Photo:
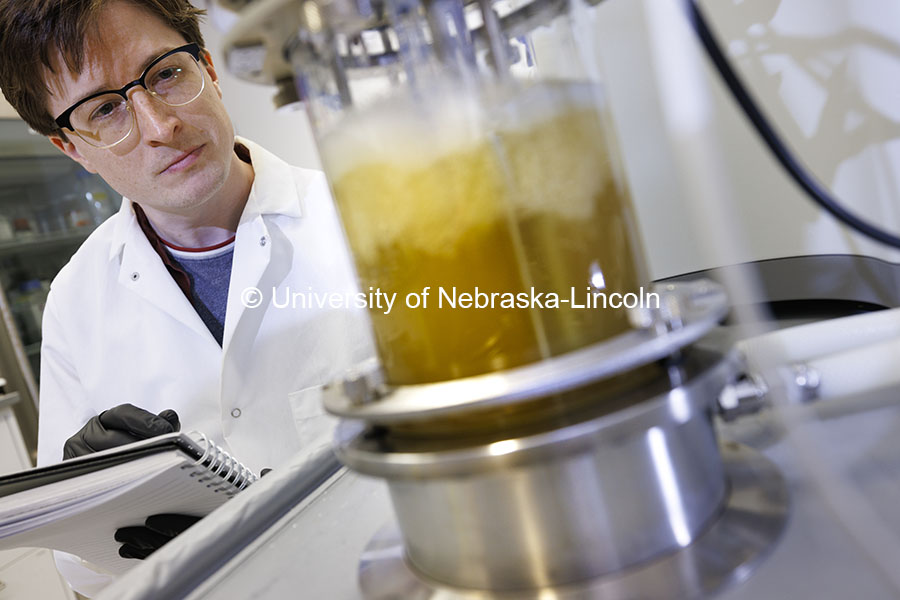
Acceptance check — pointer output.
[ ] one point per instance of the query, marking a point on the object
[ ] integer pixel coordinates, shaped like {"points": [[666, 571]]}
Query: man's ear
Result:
{"points": [[68, 148], [211, 69]]}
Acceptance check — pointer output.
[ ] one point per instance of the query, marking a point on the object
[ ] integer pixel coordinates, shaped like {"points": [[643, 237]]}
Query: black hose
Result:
{"points": [[798, 173]]}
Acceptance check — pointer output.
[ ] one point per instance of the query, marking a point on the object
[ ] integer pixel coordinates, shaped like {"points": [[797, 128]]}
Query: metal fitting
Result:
{"points": [[362, 384], [676, 302], [746, 396], [806, 382], [663, 318]]}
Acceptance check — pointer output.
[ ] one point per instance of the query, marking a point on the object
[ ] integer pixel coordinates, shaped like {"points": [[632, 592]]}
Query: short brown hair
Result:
{"points": [[33, 31]]}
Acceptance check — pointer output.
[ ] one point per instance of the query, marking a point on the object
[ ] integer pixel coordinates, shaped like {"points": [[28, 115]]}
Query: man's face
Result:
{"points": [[177, 157]]}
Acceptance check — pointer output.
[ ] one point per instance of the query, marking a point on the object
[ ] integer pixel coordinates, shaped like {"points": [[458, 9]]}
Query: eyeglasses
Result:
{"points": [[106, 118]]}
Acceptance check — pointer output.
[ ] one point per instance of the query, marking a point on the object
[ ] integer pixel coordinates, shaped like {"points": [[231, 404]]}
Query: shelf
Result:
{"points": [[18, 140], [40, 242], [26, 168]]}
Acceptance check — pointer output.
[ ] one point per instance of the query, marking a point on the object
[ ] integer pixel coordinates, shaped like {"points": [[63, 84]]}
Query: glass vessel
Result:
{"points": [[478, 183]]}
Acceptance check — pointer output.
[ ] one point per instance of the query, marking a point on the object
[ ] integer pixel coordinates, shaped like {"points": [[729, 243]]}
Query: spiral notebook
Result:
{"points": [[77, 505]]}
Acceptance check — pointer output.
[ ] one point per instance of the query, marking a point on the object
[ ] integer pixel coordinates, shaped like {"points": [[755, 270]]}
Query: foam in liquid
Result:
{"points": [[450, 194]]}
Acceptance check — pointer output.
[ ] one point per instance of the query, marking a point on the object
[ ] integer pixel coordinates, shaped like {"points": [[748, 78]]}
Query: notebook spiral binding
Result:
{"points": [[220, 468]]}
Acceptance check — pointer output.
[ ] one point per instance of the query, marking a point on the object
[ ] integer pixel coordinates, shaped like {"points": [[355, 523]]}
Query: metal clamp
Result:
{"points": [[686, 312]]}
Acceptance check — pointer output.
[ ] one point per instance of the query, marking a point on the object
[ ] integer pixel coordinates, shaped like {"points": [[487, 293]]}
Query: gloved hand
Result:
{"points": [[117, 426], [141, 542]]}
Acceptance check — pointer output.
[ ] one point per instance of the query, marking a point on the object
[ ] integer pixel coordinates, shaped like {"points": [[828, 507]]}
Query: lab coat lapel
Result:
{"points": [[143, 272], [247, 298], [262, 254]]}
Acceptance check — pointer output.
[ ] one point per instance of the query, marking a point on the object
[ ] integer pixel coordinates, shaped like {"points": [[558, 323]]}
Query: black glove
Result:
{"points": [[117, 426], [141, 542]]}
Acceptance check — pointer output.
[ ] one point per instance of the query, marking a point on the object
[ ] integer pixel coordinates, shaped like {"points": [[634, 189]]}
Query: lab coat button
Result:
{"points": [[236, 413], [262, 241], [135, 276]]}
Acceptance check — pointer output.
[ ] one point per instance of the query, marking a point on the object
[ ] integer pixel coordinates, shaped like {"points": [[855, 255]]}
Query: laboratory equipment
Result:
{"points": [[535, 431], [629, 486]]}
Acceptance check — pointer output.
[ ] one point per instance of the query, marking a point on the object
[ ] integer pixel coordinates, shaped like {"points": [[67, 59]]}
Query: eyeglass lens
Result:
{"points": [[107, 120]]}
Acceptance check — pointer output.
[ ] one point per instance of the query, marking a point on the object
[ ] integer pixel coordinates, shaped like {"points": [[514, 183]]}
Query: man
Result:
{"points": [[168, 305]]}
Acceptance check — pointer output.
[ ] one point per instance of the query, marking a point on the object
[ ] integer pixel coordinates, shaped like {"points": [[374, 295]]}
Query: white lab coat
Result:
{"points": [[117, 329]]}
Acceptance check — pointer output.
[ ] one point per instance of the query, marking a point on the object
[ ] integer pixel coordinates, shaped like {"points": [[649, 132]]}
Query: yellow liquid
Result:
{"points": [[503, 209]]}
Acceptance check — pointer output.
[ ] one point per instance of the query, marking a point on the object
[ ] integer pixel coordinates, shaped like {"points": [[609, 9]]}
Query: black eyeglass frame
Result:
{"points": [[63, 120]]}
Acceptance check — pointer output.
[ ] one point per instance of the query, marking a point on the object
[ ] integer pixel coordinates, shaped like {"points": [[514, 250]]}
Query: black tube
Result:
{"points": [[798, 173]]}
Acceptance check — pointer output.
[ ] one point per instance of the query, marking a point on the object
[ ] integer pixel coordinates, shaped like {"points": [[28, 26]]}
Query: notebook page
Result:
{"points": [[87, 529], [58, 498], [34, 508]]}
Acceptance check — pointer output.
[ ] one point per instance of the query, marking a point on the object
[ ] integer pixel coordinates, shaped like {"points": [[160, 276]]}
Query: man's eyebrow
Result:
{"points": [[143, 67]]}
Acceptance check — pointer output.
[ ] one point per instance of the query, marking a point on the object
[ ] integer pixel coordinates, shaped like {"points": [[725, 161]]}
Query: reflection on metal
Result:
{"points": [[270, 26], [566, 504], [752, 519], [652, 405], [861, 282], [746, 396], [668, 485], [807, 381]]}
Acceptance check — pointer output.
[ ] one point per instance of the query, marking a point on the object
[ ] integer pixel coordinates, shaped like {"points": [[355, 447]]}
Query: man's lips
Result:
{"points": [[183, 161]]}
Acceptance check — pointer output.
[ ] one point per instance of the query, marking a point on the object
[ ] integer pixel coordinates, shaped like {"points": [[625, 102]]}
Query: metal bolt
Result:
{"points": [[667, 317], [807, 381], [746, 396], [364, 383], [236, 412], [670, 311], [357, 389]]}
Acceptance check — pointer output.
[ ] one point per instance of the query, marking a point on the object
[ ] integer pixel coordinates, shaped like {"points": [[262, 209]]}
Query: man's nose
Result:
{"points": [[157, 121]]}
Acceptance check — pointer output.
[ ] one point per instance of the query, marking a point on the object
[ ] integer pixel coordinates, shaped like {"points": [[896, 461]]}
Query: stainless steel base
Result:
{"points": [[562, 504], [751, 521]]}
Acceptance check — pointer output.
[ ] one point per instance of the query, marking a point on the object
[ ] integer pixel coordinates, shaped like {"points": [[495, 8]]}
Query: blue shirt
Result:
{"points": [[209, 273]]}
